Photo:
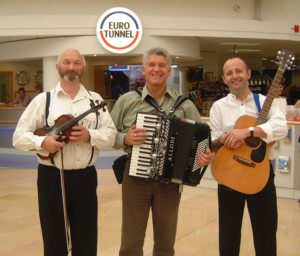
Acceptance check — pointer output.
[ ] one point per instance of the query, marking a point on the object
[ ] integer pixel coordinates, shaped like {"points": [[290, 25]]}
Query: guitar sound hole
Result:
{"points": [[253, 142]]}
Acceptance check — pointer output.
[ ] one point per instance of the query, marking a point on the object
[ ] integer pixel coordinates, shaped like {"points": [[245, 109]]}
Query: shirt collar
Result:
{"points": [[168, 91], [232, 96], [82, 93]]}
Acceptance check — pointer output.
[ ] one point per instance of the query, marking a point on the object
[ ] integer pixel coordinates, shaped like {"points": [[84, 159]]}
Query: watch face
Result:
{"points": [[22, 78], [38, 77]]}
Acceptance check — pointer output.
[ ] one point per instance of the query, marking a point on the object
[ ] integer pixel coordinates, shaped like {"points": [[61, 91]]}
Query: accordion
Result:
{"points": [[169, 154]]}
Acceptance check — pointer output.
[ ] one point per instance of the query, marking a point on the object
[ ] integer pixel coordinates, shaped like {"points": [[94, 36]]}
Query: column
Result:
{"points": [[183, 81], [50, 75]]}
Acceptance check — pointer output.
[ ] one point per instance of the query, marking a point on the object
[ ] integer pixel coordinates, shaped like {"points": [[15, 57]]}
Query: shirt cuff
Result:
{"points": [[267, 129], [120, 140], [38, 141]]}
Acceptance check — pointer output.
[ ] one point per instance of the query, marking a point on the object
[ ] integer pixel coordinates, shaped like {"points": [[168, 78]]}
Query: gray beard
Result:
{"points": [[71, 78]]}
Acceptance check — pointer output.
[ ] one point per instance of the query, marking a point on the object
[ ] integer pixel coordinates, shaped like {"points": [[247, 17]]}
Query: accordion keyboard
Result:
{"points": [[141, 155]]}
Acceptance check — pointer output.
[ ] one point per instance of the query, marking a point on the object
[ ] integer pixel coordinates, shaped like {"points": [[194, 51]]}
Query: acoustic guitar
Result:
{"points": [[247, 168]]}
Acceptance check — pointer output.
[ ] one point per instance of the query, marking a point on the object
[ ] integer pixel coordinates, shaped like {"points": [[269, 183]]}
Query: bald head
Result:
{"points": [[233, 58], [70, 51], [71, 65]]}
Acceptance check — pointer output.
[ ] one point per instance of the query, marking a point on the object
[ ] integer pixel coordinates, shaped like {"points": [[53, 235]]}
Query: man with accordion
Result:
{"points": [[140, 194]]}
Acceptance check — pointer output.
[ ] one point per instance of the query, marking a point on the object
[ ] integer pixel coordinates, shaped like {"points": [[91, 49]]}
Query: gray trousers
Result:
{"points": [[139, 196]]}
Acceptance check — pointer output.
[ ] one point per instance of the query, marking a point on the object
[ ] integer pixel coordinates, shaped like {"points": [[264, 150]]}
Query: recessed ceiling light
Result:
{"points": [[174, 66], [177, 57], [95, 55], [246, 50], [264, 58], [232, 43]]}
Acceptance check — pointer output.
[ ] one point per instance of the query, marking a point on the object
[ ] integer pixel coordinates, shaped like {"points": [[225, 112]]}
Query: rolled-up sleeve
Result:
{"points": [[276, 126]]}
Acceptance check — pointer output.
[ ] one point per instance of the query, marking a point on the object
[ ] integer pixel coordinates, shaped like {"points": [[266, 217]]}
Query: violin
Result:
{"points": [[63, 126]]}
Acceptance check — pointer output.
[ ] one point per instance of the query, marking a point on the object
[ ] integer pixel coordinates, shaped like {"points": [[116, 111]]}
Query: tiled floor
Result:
{"points": [[197, 233]]}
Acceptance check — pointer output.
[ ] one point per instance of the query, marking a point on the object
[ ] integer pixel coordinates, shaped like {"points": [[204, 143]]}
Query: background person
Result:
{"points": [[38, 88], [262, 206], [22, 100], [141, 195], [79, 156], [116, 89]]}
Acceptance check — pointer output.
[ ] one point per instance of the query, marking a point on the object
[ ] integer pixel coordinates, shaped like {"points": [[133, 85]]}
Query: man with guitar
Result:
{"points": [[78, 151], [262, 206]]}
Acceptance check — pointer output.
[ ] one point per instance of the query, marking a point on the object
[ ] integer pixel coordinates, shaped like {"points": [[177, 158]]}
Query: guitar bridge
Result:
{"points": [[244, 161]]}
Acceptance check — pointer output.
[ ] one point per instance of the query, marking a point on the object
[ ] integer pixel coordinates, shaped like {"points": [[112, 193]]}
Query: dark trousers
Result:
{"points": [[82, 209], [262, 209], [139, 196]]}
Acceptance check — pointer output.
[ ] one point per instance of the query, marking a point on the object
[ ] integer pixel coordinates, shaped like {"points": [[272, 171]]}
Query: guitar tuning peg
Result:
{"points": [[97, 101]]}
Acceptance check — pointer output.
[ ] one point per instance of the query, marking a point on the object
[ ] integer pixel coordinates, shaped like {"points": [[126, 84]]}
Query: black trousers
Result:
{"points": [[262, 209], [82, 209]]}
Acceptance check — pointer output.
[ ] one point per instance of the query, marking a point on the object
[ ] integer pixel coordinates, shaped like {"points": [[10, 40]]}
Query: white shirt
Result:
{"points": [[75, 155], [225, 112], [281, 104]]}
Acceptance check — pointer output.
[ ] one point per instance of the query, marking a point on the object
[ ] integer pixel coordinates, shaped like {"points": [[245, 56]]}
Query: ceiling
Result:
{"points": [[209, 46]]}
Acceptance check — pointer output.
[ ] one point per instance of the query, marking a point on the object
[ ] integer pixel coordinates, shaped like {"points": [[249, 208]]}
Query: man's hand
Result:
{"points": [[51, 144], [135, 136], [79, 134], [235, 138], [205, 158]]}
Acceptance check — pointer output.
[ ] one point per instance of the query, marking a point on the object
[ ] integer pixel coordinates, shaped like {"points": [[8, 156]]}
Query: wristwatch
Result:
{"points": [[251, 129]]}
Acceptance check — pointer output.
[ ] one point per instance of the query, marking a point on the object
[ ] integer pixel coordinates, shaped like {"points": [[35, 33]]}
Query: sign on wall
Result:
{"points": [[119, 30]]}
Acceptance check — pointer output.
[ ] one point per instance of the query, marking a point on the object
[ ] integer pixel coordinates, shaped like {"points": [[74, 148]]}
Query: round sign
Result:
{"points": [[119, 30]]}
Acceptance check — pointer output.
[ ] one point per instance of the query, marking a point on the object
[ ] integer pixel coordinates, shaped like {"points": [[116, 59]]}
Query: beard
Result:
{"points": [[70, 75]]}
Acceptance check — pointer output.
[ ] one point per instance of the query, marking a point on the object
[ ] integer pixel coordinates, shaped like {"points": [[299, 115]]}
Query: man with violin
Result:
{"points": [[69, 146]]}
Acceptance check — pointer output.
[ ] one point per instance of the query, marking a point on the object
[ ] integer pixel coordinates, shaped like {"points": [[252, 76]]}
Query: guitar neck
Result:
{"points": [[262, 118]]}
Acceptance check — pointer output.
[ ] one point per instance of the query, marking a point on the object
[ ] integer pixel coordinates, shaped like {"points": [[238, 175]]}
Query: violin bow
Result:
{"points": [[62, 181]]}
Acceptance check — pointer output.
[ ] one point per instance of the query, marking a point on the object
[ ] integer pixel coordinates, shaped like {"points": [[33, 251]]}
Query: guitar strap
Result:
{"points": [[256, 99]]}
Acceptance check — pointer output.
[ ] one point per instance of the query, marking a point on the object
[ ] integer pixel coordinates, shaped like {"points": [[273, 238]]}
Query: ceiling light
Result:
{"points": [[272, 60], [247, 50], [264, 58], [232, 43], [174, 66], [177, 57], [95, 55]]}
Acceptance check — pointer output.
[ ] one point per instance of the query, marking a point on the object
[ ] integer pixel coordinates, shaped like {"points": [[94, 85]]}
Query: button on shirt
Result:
{"points": [[75, 155], [225, 112], [127, 106]]}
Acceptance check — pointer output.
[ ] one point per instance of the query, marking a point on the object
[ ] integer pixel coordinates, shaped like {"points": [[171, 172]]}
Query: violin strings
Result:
{"points": [[70, 123]]}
